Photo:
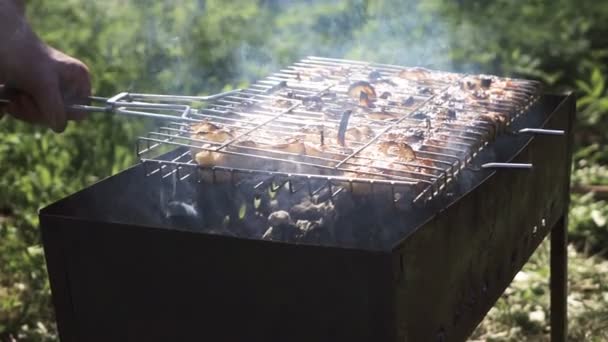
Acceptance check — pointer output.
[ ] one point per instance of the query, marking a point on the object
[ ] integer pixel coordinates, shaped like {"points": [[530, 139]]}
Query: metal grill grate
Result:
{"points": [[286, 127]]}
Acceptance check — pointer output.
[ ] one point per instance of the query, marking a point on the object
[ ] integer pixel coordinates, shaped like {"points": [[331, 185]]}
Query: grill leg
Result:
{"points": [[559, 280]]}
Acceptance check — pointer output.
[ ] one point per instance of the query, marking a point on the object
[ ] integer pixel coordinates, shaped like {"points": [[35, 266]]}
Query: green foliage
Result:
{"points": [[199, 47], [523, 312], [589, 224]]}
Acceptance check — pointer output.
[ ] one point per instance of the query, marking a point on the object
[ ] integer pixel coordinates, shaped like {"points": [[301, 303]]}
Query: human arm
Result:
{"points": [[42, 80]]}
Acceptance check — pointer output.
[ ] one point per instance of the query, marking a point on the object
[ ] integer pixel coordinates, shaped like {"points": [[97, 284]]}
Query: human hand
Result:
{"points": [[41, 88]]}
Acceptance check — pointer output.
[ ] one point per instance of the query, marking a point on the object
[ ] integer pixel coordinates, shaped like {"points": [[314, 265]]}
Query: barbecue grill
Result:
{"points": [[336, 200]]}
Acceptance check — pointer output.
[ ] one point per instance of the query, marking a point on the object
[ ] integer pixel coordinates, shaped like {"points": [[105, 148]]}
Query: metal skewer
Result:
{"points": [[524, 166], [542, 131]]}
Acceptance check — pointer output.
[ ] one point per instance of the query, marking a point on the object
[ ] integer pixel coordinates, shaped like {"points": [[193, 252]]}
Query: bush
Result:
{"points": [[198, 47]]}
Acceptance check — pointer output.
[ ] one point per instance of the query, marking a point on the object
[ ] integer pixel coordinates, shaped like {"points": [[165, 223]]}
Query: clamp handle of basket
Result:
{"points": [[168, 107], [6, 93]]}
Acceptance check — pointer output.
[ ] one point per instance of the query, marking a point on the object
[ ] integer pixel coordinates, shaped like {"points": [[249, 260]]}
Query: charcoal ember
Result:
{"points": [[181, 209], [282, 233], [278, 218], [314, 231], [307, 210], [282, 228], [273, 205], [254, 225]]}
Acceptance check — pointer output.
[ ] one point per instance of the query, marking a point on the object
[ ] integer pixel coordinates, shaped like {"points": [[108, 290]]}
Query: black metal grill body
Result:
{"points": [[121, 271]]}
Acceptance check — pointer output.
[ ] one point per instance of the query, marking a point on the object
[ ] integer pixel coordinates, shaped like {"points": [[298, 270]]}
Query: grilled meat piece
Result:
{"points": [[381, 115], [295, 146], [401, 150], [204, 126], [208, 131], [359, 87], [416, 73], [365, 101]]}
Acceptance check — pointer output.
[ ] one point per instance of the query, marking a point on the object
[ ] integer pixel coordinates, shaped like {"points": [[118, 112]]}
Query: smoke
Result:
{"points": [[199, 47], [195, 47], [395, 32]]}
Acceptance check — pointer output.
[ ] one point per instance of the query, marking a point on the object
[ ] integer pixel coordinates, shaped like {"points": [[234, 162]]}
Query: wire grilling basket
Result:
{"points": [[329, 125]]}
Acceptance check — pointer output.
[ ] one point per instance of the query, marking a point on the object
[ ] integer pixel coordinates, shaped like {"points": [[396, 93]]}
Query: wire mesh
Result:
{"points": [[408, 128]]}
